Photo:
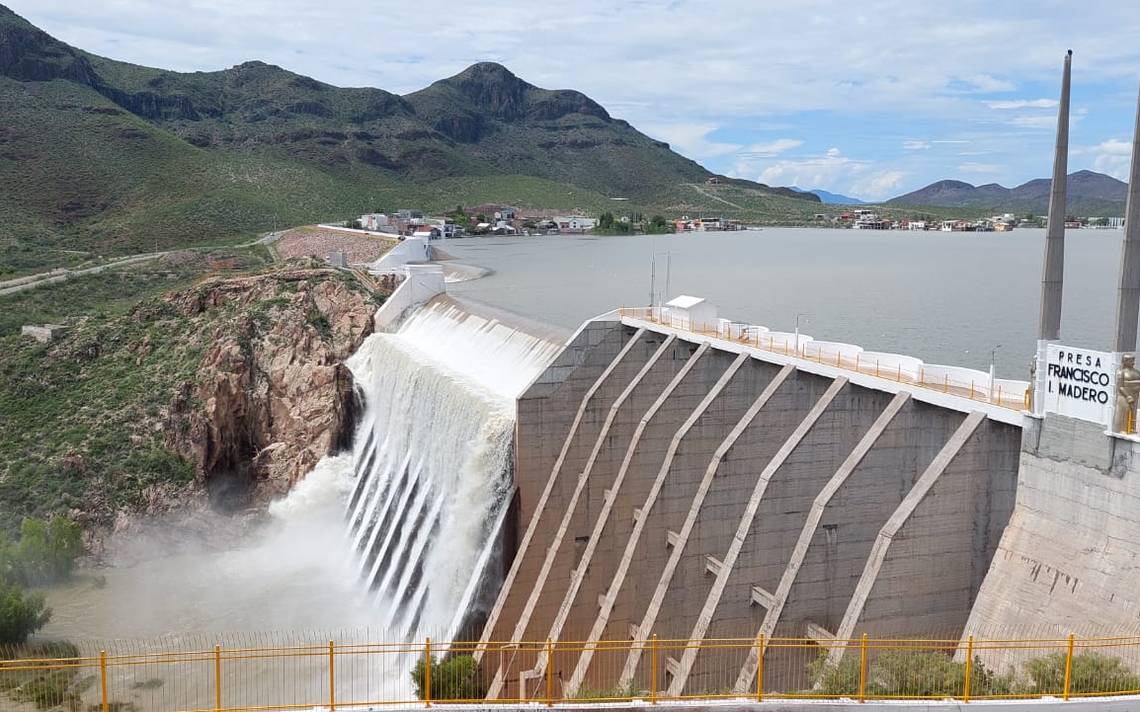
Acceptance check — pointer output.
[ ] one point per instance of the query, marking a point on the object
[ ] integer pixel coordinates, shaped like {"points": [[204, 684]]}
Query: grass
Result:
{"points": [[83, 420]]}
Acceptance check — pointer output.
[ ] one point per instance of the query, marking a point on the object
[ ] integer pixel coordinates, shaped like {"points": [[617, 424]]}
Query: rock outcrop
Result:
{"points": [[271, 395]]}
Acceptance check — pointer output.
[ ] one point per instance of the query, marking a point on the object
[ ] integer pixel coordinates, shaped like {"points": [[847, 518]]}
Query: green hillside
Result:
{"points": [[104, 156]]}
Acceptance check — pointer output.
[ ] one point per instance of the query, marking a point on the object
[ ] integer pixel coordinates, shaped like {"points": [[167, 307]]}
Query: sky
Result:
{"points": [[869, 99]]}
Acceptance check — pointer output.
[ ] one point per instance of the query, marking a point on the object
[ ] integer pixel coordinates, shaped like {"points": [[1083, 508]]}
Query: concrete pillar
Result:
{"points": [[678, 550], [523, 619], [807, 534], [535, 520], [1128, 296], [901, 516], [704, 620], [608, 503], [607, 601], [1054, 266]]}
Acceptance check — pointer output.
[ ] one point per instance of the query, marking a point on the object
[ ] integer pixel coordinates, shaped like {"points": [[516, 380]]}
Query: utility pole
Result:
{"points": [[668, 271], [993, 369], [652, 280]]}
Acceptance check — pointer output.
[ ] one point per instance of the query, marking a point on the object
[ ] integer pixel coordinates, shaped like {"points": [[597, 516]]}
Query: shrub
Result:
{"points": [[45, 553], [21, 613], [901, 673], [456, 678], [1092, 672]]}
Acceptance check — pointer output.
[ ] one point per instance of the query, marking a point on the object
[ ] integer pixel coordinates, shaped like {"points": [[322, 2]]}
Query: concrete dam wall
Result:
{"points": [[684, 486]]}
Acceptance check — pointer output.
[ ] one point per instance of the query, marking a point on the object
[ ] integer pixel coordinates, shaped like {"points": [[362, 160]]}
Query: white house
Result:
{"points": [[575, 223], [374, 221], [692, 313]]}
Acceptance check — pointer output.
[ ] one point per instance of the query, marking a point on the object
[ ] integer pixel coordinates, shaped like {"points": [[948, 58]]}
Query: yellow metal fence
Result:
{"points": [[332, 675], [871, 366]]}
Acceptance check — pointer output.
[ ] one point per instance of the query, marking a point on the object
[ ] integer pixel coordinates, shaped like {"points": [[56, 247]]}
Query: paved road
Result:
{"points": [[31, 281]]}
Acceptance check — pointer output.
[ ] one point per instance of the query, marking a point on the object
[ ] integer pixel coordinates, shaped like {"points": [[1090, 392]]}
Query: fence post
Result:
{"points": [[217, 677], [863, 669], [549, 673], [876, 368], [332, 677], [969, 668], [103, 679], [1068, 667], [653, 671], [971, 390], [427, 672], [760, 668]]}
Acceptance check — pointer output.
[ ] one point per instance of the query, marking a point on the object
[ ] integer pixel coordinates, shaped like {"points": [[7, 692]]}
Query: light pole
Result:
{"points": [[993, 369], [798, 332]]}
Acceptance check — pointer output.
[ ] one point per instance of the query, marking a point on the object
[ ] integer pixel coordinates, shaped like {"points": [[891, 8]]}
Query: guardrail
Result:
{"points": [[346, 675], [923, 376]]}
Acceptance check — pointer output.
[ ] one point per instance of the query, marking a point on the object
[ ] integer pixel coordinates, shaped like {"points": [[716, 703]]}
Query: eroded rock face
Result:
{"points": [[271, 395]]}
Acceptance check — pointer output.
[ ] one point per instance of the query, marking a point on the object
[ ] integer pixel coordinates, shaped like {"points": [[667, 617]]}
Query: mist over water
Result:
{"points": [[291, 572], [392, 537]]}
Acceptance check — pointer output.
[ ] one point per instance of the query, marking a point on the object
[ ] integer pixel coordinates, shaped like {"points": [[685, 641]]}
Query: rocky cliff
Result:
{"points": [[271, 395], [224, 392]]}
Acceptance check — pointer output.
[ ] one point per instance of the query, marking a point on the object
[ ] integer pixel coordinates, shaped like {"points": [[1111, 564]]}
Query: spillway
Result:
{"points": [[432, 461]]}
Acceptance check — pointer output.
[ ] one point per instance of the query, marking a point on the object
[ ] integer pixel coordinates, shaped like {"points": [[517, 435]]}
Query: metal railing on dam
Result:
{"points": [[893, 367], [347, 675]]}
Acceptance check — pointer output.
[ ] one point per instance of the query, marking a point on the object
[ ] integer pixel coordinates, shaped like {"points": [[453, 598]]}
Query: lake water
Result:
{"points": [[942, 297]]}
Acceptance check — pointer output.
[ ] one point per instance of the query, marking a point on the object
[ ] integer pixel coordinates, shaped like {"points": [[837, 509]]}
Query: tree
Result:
{"points": [[456, 678], [606, 221], [46, 552], [481, 218], [21, 613]]}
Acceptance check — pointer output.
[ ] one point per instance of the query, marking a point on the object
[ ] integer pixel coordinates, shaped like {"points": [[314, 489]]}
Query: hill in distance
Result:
{"points": [[1089, 193], [106, 155], [829, 198]]}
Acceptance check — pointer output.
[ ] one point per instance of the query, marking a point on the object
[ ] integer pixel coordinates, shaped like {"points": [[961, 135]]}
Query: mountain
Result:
{"points": [[1089, 193], [101, 154], [829, 198]]}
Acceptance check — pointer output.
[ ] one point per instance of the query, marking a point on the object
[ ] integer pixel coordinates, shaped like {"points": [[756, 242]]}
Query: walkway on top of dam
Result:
{"points": [[951, 387]]}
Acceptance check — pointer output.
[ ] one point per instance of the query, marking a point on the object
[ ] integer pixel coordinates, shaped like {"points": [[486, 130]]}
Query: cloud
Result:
{"points": [[988, 84], [915, 145], [1022, 104], [772, 148], [1036, 122], [1112, 157], [833, 170], [973, 167], [691, 139], [880, 184]]}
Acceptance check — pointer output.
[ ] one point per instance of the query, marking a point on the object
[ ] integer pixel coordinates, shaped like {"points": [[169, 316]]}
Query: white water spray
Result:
{"points": [[432, 460]]}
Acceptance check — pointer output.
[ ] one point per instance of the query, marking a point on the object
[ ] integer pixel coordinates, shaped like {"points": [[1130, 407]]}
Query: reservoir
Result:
{"points": [[942, 297]]}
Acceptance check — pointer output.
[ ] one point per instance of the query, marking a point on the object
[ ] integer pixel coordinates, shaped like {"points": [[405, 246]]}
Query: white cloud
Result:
{"points": [[880, 184], [691, 139], [1022, 104], [915, 145], [1112, 157], [986, 83], [835, 171], [1035, 122], [973, 167], [772, 148]]}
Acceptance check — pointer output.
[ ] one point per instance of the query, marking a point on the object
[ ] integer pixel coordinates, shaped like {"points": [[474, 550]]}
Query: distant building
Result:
{"points": [[1116, 223], [712, 180], [338, 258], [374, 221], [575, 223]]}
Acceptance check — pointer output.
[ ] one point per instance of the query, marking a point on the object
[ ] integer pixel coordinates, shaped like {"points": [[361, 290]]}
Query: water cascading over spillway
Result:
{"points": [[432, 460]]}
